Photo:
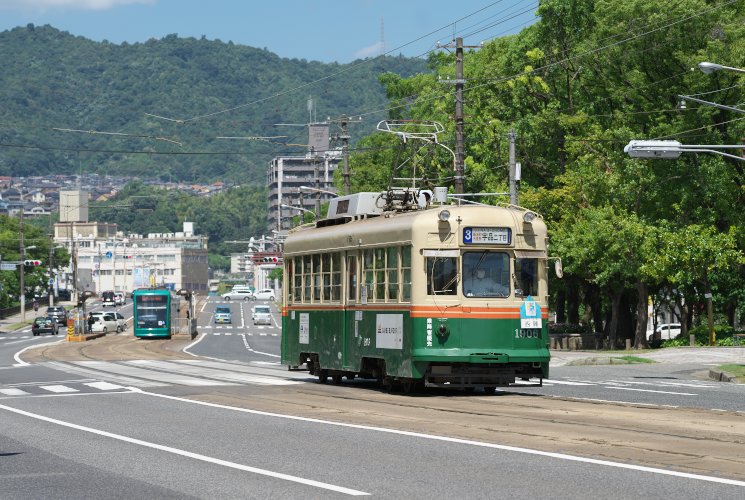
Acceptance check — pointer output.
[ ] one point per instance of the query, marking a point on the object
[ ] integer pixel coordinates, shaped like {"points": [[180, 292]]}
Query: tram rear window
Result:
{"points": [[442, 275]]}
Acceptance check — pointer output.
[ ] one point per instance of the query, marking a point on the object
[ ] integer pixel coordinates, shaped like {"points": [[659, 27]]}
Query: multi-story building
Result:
{"points": [[287, 175], [104, 259]]}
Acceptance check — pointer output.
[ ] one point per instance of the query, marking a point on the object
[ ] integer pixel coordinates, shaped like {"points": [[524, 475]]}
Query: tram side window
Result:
{"points": [[297, 283], [290, 280], [486, 274], [316, 277], [442, 275], [352, 278], [307, 279], [406, 274], [368, 270], [336, 277], [391, 269], [326, 277], [526, 277], [379, 295]]}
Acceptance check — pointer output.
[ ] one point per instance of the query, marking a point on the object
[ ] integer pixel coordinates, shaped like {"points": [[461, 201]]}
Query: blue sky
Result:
{"points": [[322, 30]]}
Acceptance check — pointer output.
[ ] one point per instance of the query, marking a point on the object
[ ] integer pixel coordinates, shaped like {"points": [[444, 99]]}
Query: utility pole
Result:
{"points": [[459, 149], [317, 185], [513, 168], [460, 155], [345, 152], [22, 277], [51, 272]]}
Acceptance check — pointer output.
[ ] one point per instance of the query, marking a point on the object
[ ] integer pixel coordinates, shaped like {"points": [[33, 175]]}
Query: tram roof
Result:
{"points": [[420, 228]]}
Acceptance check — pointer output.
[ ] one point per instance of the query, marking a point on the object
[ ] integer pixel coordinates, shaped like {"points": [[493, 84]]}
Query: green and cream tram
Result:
{"points": [[446, 296]]}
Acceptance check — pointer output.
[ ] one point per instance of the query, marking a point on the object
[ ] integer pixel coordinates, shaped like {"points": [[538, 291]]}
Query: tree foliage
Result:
{"points": [[576, 86]]}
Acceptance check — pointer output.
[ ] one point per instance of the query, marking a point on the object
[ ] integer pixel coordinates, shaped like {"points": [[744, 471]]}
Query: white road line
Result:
{"points": [[245, 342], [566, 382], [58, 388], [188, 454], [650, 390], [468, 442], [20, 362]]}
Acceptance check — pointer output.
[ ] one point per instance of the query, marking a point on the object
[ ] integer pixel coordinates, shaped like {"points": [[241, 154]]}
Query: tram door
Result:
{"points": [[351, 316]]}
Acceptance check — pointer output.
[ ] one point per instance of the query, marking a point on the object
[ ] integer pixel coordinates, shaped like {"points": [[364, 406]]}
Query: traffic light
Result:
{"points": [[32, 263], [270, 259]]}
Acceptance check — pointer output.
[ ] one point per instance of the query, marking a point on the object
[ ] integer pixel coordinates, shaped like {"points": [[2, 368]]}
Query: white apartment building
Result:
{"points": [[104, 259]]}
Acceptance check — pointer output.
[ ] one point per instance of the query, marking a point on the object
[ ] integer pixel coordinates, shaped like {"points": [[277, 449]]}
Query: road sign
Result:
{"points": [[8, 266], [109, 255]]}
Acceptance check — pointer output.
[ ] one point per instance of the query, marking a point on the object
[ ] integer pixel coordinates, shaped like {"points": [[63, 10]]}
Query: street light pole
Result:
{"points": [[710, 67], [22, 277]]}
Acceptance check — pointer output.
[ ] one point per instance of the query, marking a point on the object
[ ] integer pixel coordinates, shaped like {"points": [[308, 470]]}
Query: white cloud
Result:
{"points": [[46, 5], [372, 51]]}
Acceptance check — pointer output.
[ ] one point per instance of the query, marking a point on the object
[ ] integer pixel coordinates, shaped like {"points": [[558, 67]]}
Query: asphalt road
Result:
{"points": [[220, 417]]}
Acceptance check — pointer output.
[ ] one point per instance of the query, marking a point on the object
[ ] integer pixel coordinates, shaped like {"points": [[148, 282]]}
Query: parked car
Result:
{"points": [[108, 298], [64, 294], [119, 298], [223, 315], [45, 324], [261, 315], [264, 294], [242, 294], [105, 323], [121, 322], [666, 331], [58, 312]]}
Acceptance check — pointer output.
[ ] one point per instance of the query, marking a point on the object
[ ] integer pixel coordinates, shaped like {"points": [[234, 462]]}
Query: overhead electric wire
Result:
{"points": [[305, 85], [555, 63]]}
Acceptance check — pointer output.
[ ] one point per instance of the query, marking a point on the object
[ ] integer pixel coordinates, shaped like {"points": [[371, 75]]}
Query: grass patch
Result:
{"points": [[18, 326], [633, 359]]}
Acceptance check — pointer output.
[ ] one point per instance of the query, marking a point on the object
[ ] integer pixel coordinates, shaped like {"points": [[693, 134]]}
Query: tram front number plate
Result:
{"points": [[481, 235]]}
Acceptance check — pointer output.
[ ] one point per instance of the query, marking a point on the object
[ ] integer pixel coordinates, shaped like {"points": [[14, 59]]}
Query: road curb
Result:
{"points": [[722, 376], [85, 337]]}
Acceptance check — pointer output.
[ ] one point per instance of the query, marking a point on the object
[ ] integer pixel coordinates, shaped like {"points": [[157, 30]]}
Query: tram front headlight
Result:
{"points": [[528, 217], [444, 215]]}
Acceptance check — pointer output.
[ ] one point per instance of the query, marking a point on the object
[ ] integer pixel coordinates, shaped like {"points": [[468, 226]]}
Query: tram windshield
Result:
{"points": [[486, 274], [526, 277], [152, 311]]}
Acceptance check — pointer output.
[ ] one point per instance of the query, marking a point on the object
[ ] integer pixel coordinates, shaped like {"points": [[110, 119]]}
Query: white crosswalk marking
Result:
{"points": [[13, 392], [58, 388], [131, 370], [104, 386]]}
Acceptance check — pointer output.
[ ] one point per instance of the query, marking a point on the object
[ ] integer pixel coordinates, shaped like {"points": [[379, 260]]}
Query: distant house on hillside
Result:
{"points": [[11, 194]]}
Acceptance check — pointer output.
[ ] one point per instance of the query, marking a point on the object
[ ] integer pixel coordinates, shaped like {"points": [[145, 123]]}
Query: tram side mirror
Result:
{"points": [[558, 269]]}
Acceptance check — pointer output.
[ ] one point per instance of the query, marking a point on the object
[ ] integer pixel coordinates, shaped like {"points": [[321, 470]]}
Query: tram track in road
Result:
{"points": [[683, 439]]}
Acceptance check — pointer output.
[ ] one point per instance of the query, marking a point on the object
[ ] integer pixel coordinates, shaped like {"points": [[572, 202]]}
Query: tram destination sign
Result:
{"points": [[487, 236]]}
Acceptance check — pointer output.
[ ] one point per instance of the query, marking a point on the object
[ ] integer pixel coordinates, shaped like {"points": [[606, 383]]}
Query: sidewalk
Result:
{"points": [[15, 319]]}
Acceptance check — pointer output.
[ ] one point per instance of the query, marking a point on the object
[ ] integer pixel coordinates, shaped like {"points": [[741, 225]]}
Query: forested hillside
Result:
{"points": [[155, 108]]}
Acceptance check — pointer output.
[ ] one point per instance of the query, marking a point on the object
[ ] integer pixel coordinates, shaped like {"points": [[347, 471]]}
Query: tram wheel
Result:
{"points": [[323, 376], [336, 378], [410, 385], [489, 389]]}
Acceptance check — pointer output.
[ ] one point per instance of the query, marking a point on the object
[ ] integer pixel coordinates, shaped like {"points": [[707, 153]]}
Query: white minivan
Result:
{"points": [[666, 331]]}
